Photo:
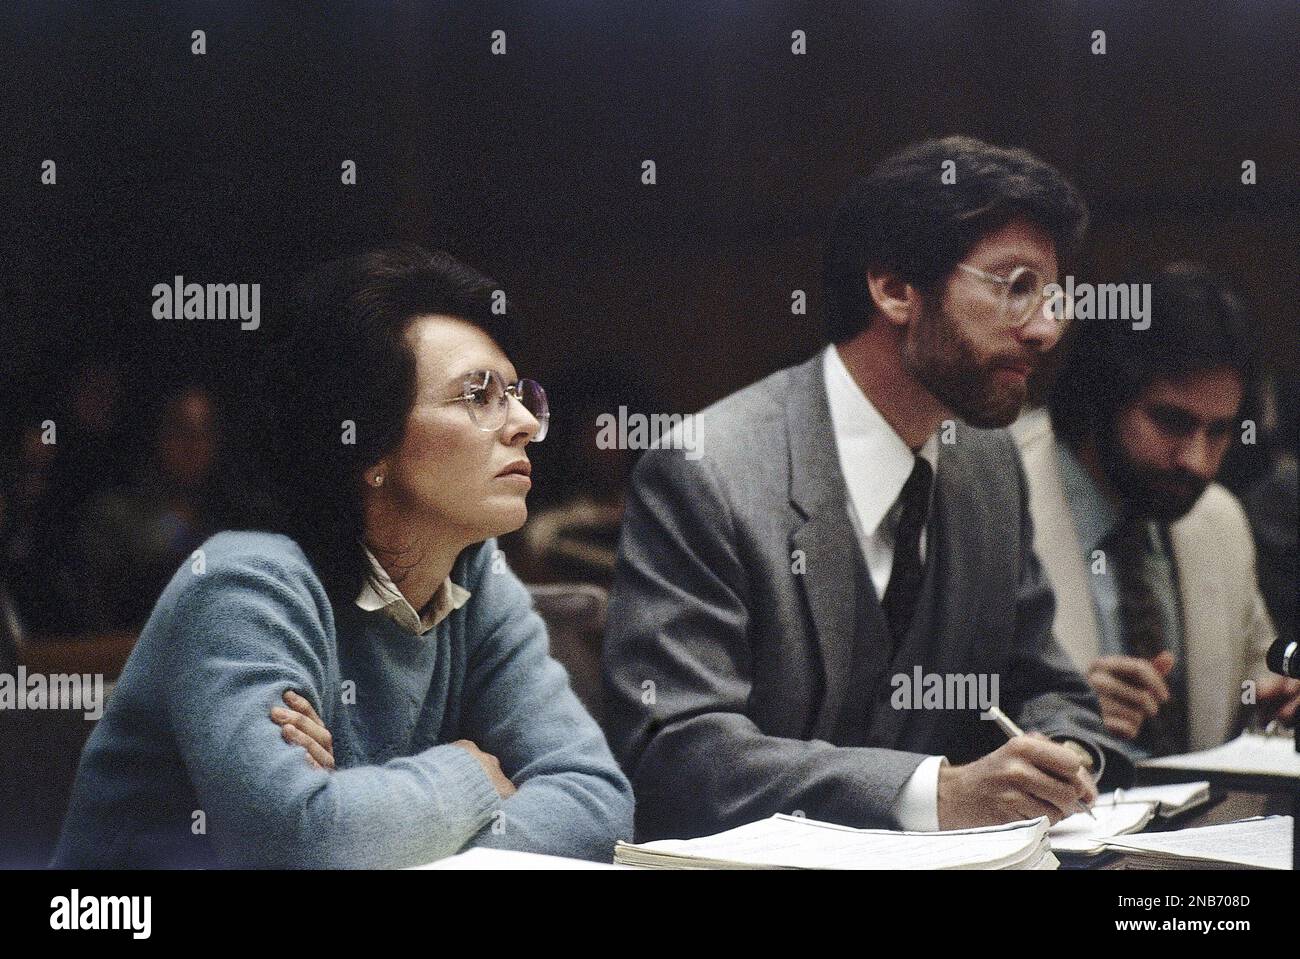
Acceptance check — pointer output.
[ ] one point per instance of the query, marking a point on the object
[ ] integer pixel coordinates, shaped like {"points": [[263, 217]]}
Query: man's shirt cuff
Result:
{"points": [[917, 807]]}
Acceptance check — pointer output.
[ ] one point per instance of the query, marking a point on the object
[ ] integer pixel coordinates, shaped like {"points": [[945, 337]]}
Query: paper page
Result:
{"points": [[1081, 833], [1263, 842], [794, 842], [481, 858], [1048, 861], [1174, 795], [1249, 753]]}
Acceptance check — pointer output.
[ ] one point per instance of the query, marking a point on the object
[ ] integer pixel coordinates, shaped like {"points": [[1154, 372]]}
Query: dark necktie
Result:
{"points": [[1142, 620], [905, 577]]}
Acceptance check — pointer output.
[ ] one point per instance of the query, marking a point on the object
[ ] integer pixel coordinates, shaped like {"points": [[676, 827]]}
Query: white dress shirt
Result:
{"points": [[876, 463], [380, 593]]}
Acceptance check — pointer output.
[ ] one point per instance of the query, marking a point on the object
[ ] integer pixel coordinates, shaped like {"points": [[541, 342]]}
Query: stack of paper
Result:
{"points": [[1250, 754], [1084, 835], [1172, 800], [793, 842], [1260, 843]]}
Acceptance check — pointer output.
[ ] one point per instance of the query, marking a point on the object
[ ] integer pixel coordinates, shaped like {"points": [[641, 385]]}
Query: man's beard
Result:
{"points": [[946, 363], [1161, 495]]}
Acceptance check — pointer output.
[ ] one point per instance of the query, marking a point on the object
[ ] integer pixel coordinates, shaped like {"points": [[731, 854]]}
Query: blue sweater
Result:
{"points": [[187, 768]]}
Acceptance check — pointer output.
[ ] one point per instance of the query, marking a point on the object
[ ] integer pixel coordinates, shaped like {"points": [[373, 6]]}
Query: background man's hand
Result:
{"points": [[1131, 690], [1278, 698]]}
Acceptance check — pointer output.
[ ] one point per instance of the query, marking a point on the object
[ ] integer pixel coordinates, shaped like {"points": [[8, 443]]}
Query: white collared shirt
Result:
{"points": [[876, 463], [380, 593]]}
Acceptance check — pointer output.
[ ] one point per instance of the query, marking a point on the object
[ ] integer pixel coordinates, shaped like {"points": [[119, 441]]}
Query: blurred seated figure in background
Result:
{"points": [[42, 572], [95, 451], [82, 552], [131, 540]]}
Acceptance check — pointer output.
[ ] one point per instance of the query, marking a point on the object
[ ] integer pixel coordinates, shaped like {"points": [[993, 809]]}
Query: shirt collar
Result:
{"points": [[873, 457], [1095, 516], [379, 592]]}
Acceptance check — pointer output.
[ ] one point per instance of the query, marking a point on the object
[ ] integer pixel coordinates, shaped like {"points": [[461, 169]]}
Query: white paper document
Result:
{"points": [[1249, 754], [1260, 843], [482, 858], [1170, 800]]}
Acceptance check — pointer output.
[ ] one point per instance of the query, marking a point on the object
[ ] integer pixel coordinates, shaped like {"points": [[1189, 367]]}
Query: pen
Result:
{"points": [[1012, 731]]}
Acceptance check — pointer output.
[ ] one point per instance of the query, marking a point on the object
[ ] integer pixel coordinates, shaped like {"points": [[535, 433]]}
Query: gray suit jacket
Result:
{"points": [[733, 619]]}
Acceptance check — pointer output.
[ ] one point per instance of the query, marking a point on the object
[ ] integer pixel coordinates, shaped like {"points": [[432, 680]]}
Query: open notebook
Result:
{"points": [[1170, 800], [793, 842], [1122, 813], [1084, 835]]}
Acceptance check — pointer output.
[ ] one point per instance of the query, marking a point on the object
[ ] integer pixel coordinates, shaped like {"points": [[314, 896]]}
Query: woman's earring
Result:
{"points": [[379, 479]]}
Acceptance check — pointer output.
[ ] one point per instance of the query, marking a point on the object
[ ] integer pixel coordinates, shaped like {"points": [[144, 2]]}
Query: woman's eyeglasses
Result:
{"points": [[487, 397]]}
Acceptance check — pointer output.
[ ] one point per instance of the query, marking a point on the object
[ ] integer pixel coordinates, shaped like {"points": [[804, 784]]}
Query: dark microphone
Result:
{"points": [[1284, 657]]}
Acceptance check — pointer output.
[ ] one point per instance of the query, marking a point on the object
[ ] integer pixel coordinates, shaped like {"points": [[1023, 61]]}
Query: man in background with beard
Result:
{"points": [[1152, 562], [836, 535]]}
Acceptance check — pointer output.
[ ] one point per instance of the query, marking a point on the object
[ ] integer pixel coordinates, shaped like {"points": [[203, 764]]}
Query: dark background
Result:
{"points": [[225, 167]]}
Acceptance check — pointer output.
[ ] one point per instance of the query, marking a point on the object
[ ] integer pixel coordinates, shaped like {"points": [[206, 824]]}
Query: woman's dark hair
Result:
{"points": [[347, 381], [905, 218], [1197, 323]]}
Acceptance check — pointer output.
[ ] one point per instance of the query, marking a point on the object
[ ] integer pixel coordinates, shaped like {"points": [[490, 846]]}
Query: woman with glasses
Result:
{"points": [[363, 682]]}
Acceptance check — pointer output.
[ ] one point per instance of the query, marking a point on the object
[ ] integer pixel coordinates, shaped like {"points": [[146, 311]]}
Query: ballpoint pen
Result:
{"points": [[1011, 730]]}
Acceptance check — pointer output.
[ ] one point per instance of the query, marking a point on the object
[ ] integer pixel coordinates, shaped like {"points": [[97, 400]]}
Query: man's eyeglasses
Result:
{"points": [[1023, 293], [487, 397]]}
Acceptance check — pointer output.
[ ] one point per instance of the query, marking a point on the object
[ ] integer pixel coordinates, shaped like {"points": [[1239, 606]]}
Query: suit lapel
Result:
{"points": [[824, 537], [1056, 541]]}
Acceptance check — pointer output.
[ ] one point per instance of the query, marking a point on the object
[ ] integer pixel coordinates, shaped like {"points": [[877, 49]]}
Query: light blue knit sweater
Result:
{"points": [[186, 768]]}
